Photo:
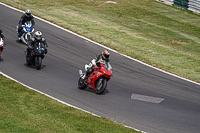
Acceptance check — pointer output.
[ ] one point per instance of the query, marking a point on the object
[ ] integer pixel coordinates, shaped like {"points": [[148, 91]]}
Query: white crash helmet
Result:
{"points": [[38, 35], [28, 12]]}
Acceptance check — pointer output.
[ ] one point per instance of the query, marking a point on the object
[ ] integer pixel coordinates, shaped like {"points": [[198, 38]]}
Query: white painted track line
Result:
{"points": [[146, 98]]}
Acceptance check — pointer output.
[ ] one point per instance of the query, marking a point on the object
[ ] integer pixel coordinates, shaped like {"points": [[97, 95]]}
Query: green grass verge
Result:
{"points": [[160, 35], [24, 110]]}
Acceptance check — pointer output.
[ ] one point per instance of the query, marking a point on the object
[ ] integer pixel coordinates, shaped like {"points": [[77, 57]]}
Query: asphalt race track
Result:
{"points": [[137, 95]]}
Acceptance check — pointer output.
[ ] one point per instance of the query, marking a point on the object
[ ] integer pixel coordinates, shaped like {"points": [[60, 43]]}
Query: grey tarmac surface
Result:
{"points": [[176, 102]]}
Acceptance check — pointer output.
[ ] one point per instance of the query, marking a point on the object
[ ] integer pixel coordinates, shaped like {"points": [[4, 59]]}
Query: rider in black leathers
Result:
{"points": [[24, 18], [37, 38]]}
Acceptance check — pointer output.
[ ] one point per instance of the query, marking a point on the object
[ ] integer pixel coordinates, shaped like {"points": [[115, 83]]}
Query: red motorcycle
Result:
{"points": [[97, 79], [1, 46]]}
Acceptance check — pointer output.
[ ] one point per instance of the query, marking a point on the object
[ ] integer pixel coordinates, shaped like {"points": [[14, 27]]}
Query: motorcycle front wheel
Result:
{"points": [[38, 62], [101, 85], [28, 38]]}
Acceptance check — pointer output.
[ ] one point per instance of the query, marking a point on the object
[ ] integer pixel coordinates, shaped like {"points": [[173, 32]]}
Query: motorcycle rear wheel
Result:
{"points": [[101, 85], [81, 84]]}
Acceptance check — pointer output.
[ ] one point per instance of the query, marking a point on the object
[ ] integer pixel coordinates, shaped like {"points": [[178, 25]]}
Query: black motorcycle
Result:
{"points": [[35, 55]]}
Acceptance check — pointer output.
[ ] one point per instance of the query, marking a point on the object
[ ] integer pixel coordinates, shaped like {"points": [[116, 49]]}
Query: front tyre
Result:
{"points": [[81, 84], [28, 38], [101, 85], [38, 62]]}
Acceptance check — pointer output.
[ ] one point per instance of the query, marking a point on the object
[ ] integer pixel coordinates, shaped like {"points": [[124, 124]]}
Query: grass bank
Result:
{"points": [[24, 110], [160, 35]]}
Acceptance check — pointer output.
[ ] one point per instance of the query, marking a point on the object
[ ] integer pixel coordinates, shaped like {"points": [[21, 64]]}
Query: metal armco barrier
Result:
{"points": [[194, 5], [191, 5]]}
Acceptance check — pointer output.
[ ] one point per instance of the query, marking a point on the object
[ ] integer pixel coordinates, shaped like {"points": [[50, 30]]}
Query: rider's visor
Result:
{"points": [[39, 37]]}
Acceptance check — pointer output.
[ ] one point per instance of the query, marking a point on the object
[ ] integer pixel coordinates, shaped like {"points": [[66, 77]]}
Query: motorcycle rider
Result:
{"points": [[37, 38], [24, 18], [1, 34], [101, 58]]}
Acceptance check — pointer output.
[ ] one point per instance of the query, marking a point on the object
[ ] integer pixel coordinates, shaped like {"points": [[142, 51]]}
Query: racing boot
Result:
{"points": [[82, 75]]}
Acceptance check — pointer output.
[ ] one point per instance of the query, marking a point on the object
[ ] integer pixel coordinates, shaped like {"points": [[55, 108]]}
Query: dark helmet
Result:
{"points": [[105, 55], [38, 35], [28, 12]]}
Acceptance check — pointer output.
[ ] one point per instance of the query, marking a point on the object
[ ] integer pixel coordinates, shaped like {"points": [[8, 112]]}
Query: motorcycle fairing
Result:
{"points": [[103, 71], [27, 28], [93, 77]]}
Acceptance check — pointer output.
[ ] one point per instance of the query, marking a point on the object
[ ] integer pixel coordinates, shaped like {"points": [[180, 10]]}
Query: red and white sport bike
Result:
{"points": [[97, 79], [1, 46]]}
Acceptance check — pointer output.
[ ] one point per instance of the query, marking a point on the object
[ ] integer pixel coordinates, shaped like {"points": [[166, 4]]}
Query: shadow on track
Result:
{"points": [[33, 67], [93, 91]]}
